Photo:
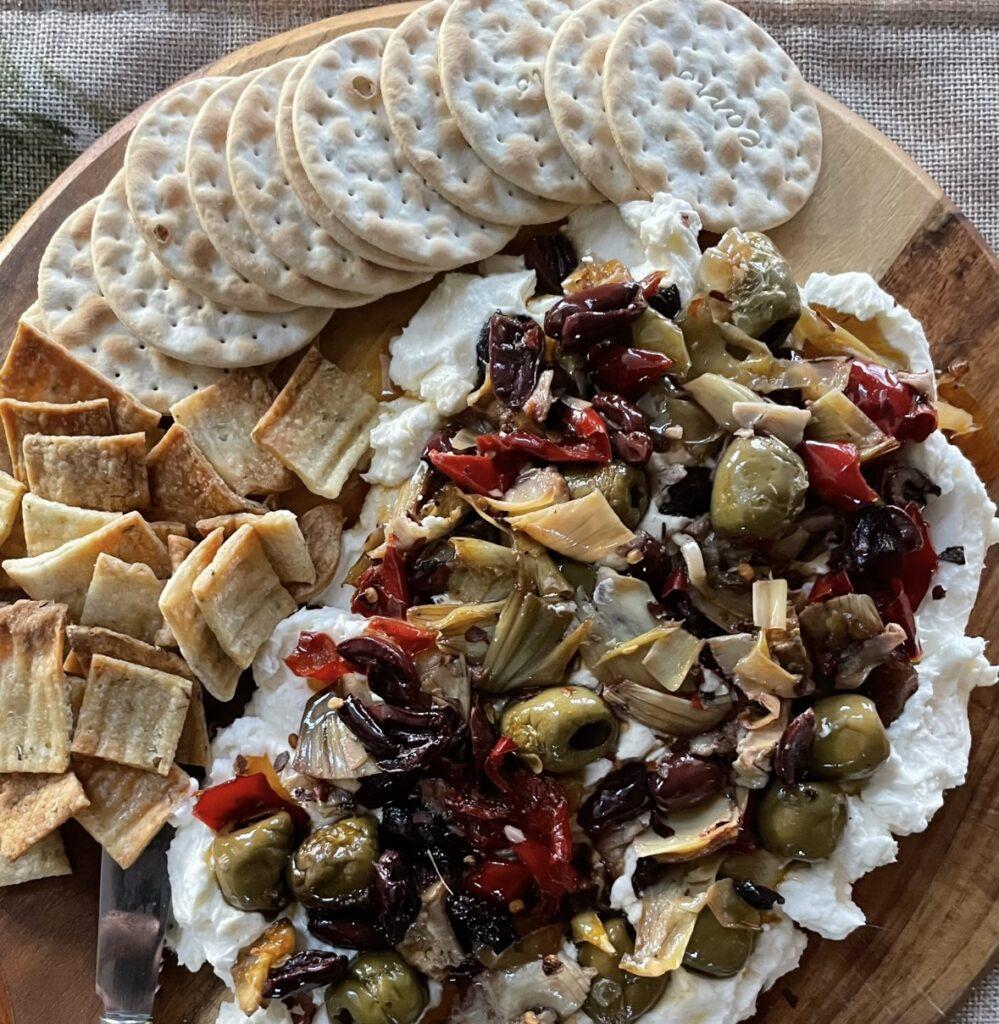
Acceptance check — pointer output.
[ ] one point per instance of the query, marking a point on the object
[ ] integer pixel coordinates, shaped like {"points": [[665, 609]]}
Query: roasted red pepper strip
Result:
{"points": [[383, 589], [895, 607], [493, 766], [897, 408], [834, 474], [404, 635], [315, 657], [832, 584], [490, 475], [918, 566], [240, 799], [501, 880], [626, 371], [585, 424]]}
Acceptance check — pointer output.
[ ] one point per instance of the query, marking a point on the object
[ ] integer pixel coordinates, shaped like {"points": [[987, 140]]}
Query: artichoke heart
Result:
{"points": [[836, 418], [717, 395], [586, 529], [664, 712], [696, 832], [655, 333], [662, 657], [816, 332], [481, 571]]}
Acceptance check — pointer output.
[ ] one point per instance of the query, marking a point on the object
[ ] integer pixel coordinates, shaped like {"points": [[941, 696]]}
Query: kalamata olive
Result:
{"points": [[515, 346], [619, 797], [715, 950], [396, 898], [632, 446], [618, 412], [665, 300], [380, 988], [347, 931], [901, 484], [690, 495], [552, 258], [250, 863], [626, 370], [617, 996], [480, 921], [334, 860], [890, 685], [596, 314], [390, 671], [304, 972], [803, 822], [850, 741], [625, 487], [794, 749], [758, 896], [682, 781], [879, 536]]}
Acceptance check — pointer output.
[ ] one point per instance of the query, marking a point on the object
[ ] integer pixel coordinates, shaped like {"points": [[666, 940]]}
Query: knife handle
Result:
{"points": [[125, 1018]]}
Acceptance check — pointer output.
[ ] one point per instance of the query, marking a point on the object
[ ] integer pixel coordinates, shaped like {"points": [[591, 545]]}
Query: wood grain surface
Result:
{"points": [[933, 917]]}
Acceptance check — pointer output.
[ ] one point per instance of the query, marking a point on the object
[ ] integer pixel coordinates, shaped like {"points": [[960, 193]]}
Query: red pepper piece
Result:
{"points": [[585, 424], [553, 876], [242, 798], [834, 474], [895, 607], [493, 766], [832, 584], [315, 657], [491, 475], [676, 580], [897, 408], [626, 371], [383, 588], [501, 880], [918, 566], [404, 635]]}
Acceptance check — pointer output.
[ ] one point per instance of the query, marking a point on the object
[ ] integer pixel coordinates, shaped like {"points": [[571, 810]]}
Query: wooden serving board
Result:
{"points": [[933, 917]]}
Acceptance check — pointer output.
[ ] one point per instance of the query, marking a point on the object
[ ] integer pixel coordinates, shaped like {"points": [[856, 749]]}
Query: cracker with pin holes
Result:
{"points": [[282, 538]]}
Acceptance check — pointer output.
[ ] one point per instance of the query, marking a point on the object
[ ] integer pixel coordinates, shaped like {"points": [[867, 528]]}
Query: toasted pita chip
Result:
{"points": [[281, 537], [46, 859], [64, 574], [220, 419], [86, 641], [32, 806], [184, 484], [216, 670], [125, 598], [241, 597], [11, 495], [322, 528], [194, 748], [23, 418], [178, 549], [319, 424], [105, 473], [131, 714], [38, 370], [127, 805], [50, 524], [76, 684], [71, 666], [35, 719], [166, 528], [13, 547]]}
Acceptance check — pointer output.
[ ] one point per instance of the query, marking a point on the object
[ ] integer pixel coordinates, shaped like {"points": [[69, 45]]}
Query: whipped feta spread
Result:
{"points": [[398, 439]]}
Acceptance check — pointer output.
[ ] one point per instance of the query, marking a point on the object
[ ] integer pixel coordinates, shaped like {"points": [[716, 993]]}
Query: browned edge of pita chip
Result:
{"points": [[23, 418], [32, 806], [50, 524], [220, 419], [281, 537], [35, 716], [38, 370], [46, 859], [217, 672], [322, 528], [127, 805], [183, 484], [124, 597]]}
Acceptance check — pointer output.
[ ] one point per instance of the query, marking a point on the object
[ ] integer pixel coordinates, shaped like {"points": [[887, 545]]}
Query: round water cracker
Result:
{"points": [[222, 218], [492, 57], [429, 137], [574, 88], [78, 317], [304, 189], [352, 159], [167, 314], [273, 208], [704, 104], [160, 201]]}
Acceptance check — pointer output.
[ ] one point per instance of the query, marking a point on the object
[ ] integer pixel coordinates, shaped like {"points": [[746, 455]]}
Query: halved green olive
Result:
{"points": [[250, 863], [616, 996], [335, 860], [850, 741], [716, 950], [625, 488], [564, 727], [380, 988], [803, 822], [759, 488], [699, 438]]}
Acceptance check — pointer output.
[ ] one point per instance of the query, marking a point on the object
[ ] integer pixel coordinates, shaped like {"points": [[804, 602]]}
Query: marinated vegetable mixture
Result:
{"points": [[635, 628]]}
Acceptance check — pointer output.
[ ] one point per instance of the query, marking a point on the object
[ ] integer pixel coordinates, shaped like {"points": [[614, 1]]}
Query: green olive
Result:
{"points": [[250, 863], [625, 488], [716, 950], [565, 727], [380, 988], [759, 488], [803, 822], [335, 860], [700, 436], [616, 996], [850, 741]]}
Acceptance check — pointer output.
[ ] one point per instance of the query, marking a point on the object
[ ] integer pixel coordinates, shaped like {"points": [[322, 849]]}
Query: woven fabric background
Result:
{"points": [[926, 72]]}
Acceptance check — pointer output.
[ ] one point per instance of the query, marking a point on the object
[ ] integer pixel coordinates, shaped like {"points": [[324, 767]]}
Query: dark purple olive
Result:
{"points": [[618, 412], [552, 258], [890, 685], [682, 781], [879, 537], [690, 495], [795, 748], [346, 931], [303, 972], [516, 345], [902, 484], [390, 671], [396, 898], [758, 896], [619, 797], [603, 313], [632, 447], [372, 736], [665, 300], [478, 921]]}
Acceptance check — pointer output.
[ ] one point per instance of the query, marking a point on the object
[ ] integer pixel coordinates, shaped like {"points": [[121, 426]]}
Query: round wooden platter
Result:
{"points": [[933, 917]]}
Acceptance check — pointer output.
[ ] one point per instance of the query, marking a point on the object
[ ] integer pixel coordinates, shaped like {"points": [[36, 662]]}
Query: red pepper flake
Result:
{"points": [[834, 474], [241, 799], [315, 657]]}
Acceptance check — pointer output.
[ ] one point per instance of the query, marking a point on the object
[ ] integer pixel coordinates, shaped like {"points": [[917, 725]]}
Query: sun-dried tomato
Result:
{"points": [[894, 605], [592, 444], [501, 880], [831, 584], [404, 635], [918, 566], [242, 799]]}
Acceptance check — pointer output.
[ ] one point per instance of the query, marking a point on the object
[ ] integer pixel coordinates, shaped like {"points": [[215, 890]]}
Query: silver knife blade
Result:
{"points": [[130, 930]]}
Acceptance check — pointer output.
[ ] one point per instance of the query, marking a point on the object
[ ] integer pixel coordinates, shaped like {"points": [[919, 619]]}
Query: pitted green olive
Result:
{"points": [[716, 950], [625, 488], [803, 822], [850, 741], [380, 988], [335, 860], [616, 996], [759, 488], [565, 727], [699, 434], [250, 863]]}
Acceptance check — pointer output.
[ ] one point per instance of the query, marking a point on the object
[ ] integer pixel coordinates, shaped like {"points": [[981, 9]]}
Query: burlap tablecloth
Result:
{"points": [[926, 73]]}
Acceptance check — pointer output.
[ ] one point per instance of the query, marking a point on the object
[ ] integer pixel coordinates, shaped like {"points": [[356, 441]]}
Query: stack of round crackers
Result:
{"points": [[249, 209]]}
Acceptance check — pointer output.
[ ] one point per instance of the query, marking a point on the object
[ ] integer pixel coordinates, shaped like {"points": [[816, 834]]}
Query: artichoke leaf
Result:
{"points": [[835, 418], [817, 332], [327, 749], [655, 333], [770, 604], [696, 833], [717, 395], [585, 529], [662, 712], [785, 422], [587, 927]]}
